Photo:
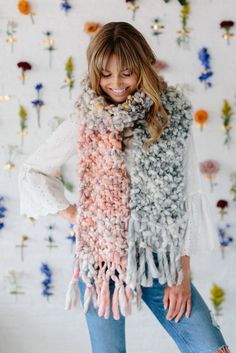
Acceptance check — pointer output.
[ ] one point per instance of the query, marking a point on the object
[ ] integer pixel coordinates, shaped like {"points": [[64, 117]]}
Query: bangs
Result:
{"points": [[127, 58]]}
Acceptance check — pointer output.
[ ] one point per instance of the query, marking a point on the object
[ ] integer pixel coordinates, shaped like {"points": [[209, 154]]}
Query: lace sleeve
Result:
{"points": [[201, 233], [41, 193]]}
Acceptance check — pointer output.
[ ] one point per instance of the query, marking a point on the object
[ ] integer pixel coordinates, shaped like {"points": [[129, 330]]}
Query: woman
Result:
{"points": [[137, 197]]}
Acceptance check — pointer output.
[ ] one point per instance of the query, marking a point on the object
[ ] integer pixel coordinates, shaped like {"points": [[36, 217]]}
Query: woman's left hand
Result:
{"points": [[178, 298]]}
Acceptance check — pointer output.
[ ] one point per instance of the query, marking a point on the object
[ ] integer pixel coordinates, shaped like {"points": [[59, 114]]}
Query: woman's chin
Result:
{"points": [[119, 99]]}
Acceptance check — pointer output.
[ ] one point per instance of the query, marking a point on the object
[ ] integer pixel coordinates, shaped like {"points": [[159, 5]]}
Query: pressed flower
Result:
{"points": [[66, 6], [38, 102], [69, 80], [25, 8], [11, 30], [227, 25], [14, 277], [11, 151], [46, 283], [224, 238], [160, 65], [91, 28], [217, 298], [22, 245], [24, 66], [157, 27], [222, 205], [233, 186], [204, 57], [226, 116], [210, 168], [201, 117], [23, 123], [133, 7], [25, 237], [49, 42], [72, 237], [183, 33], [182, 2], [2, 212]]}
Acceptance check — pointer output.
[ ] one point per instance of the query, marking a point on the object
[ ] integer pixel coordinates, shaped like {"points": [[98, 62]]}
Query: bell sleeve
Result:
{"points": [[41, 192], [201, 233]]}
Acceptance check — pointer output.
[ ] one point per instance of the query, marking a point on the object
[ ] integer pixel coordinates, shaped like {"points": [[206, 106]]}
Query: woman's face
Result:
{"points": [[117, 85]]}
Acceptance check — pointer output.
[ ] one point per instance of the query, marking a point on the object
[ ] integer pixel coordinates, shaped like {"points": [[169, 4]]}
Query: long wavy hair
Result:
{"points": [[134, 53]]}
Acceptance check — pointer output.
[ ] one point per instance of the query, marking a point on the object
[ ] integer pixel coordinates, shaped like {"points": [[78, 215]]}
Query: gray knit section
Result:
{"points": [[158, 206]]}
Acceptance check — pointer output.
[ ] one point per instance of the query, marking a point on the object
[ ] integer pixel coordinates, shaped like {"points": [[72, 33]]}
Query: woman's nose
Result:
{"points": [[117, 82]]}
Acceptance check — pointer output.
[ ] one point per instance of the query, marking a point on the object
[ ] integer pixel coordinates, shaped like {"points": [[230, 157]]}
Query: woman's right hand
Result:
{"points": [[69, 213]]}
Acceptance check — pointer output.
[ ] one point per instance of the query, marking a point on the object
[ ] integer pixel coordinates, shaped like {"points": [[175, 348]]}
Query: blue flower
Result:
{"points": [[65, 6], [204, 57], [37, 102], [38, 86]]}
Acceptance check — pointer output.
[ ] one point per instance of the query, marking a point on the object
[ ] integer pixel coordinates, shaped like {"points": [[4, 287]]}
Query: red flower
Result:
{"points": [[222, 204], [24, 65], [226, 24]]}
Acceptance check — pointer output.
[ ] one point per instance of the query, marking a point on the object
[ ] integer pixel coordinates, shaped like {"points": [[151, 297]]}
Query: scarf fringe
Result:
{"points": [[73, 292], [167, 270]]}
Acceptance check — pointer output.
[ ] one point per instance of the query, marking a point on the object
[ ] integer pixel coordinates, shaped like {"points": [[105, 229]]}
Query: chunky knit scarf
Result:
{"points": [[123, 219]]}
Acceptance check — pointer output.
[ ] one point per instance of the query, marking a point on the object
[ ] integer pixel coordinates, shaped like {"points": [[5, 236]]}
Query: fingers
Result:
{"points": [[189, 305], [178, 300], [179, 303], [172, 306], [177, 307], [166, 300], [182, 310]]}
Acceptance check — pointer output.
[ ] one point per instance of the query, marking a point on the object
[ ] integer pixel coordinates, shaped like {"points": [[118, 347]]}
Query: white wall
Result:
{"points": [[31, 324]]}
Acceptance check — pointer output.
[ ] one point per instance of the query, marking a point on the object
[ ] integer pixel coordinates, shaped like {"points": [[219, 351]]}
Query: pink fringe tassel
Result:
{"points": [[102, 299], [87, 298], [122, 300], [129, 294], [115, 303]]}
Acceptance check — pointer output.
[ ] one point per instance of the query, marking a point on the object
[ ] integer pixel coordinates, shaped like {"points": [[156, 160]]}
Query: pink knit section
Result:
{"points": [[102, 221]]}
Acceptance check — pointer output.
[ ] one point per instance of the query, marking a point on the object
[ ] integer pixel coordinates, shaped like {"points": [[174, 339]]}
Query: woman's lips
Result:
{"points": [[119, 92]]}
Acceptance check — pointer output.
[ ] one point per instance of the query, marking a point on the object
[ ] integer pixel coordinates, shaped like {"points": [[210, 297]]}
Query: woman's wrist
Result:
{"points": [[185, 264]]}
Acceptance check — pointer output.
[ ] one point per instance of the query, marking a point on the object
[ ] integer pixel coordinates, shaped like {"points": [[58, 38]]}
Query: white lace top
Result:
{"points": [[42, 193]]}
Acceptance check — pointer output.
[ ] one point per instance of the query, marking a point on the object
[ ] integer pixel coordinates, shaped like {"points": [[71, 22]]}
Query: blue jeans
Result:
{"points": [[196, 334]]}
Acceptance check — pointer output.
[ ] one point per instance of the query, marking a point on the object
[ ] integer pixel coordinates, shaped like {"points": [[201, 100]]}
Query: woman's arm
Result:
{"points": [[41, 192], [201, 233]]}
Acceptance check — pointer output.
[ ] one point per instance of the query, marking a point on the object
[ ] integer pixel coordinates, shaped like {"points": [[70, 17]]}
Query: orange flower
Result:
{"points": [[201, 116], [24, 7], [92, 27]]}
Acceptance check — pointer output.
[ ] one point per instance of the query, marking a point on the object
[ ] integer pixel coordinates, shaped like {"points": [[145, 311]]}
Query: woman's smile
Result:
{"points": [[119, 92]]}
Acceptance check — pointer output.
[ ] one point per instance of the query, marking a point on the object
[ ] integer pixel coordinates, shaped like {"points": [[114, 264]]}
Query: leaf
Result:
{"points": [[22, 112]]}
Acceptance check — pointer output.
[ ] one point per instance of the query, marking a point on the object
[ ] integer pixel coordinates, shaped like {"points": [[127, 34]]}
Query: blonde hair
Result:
{"points": [[134, 53]]}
